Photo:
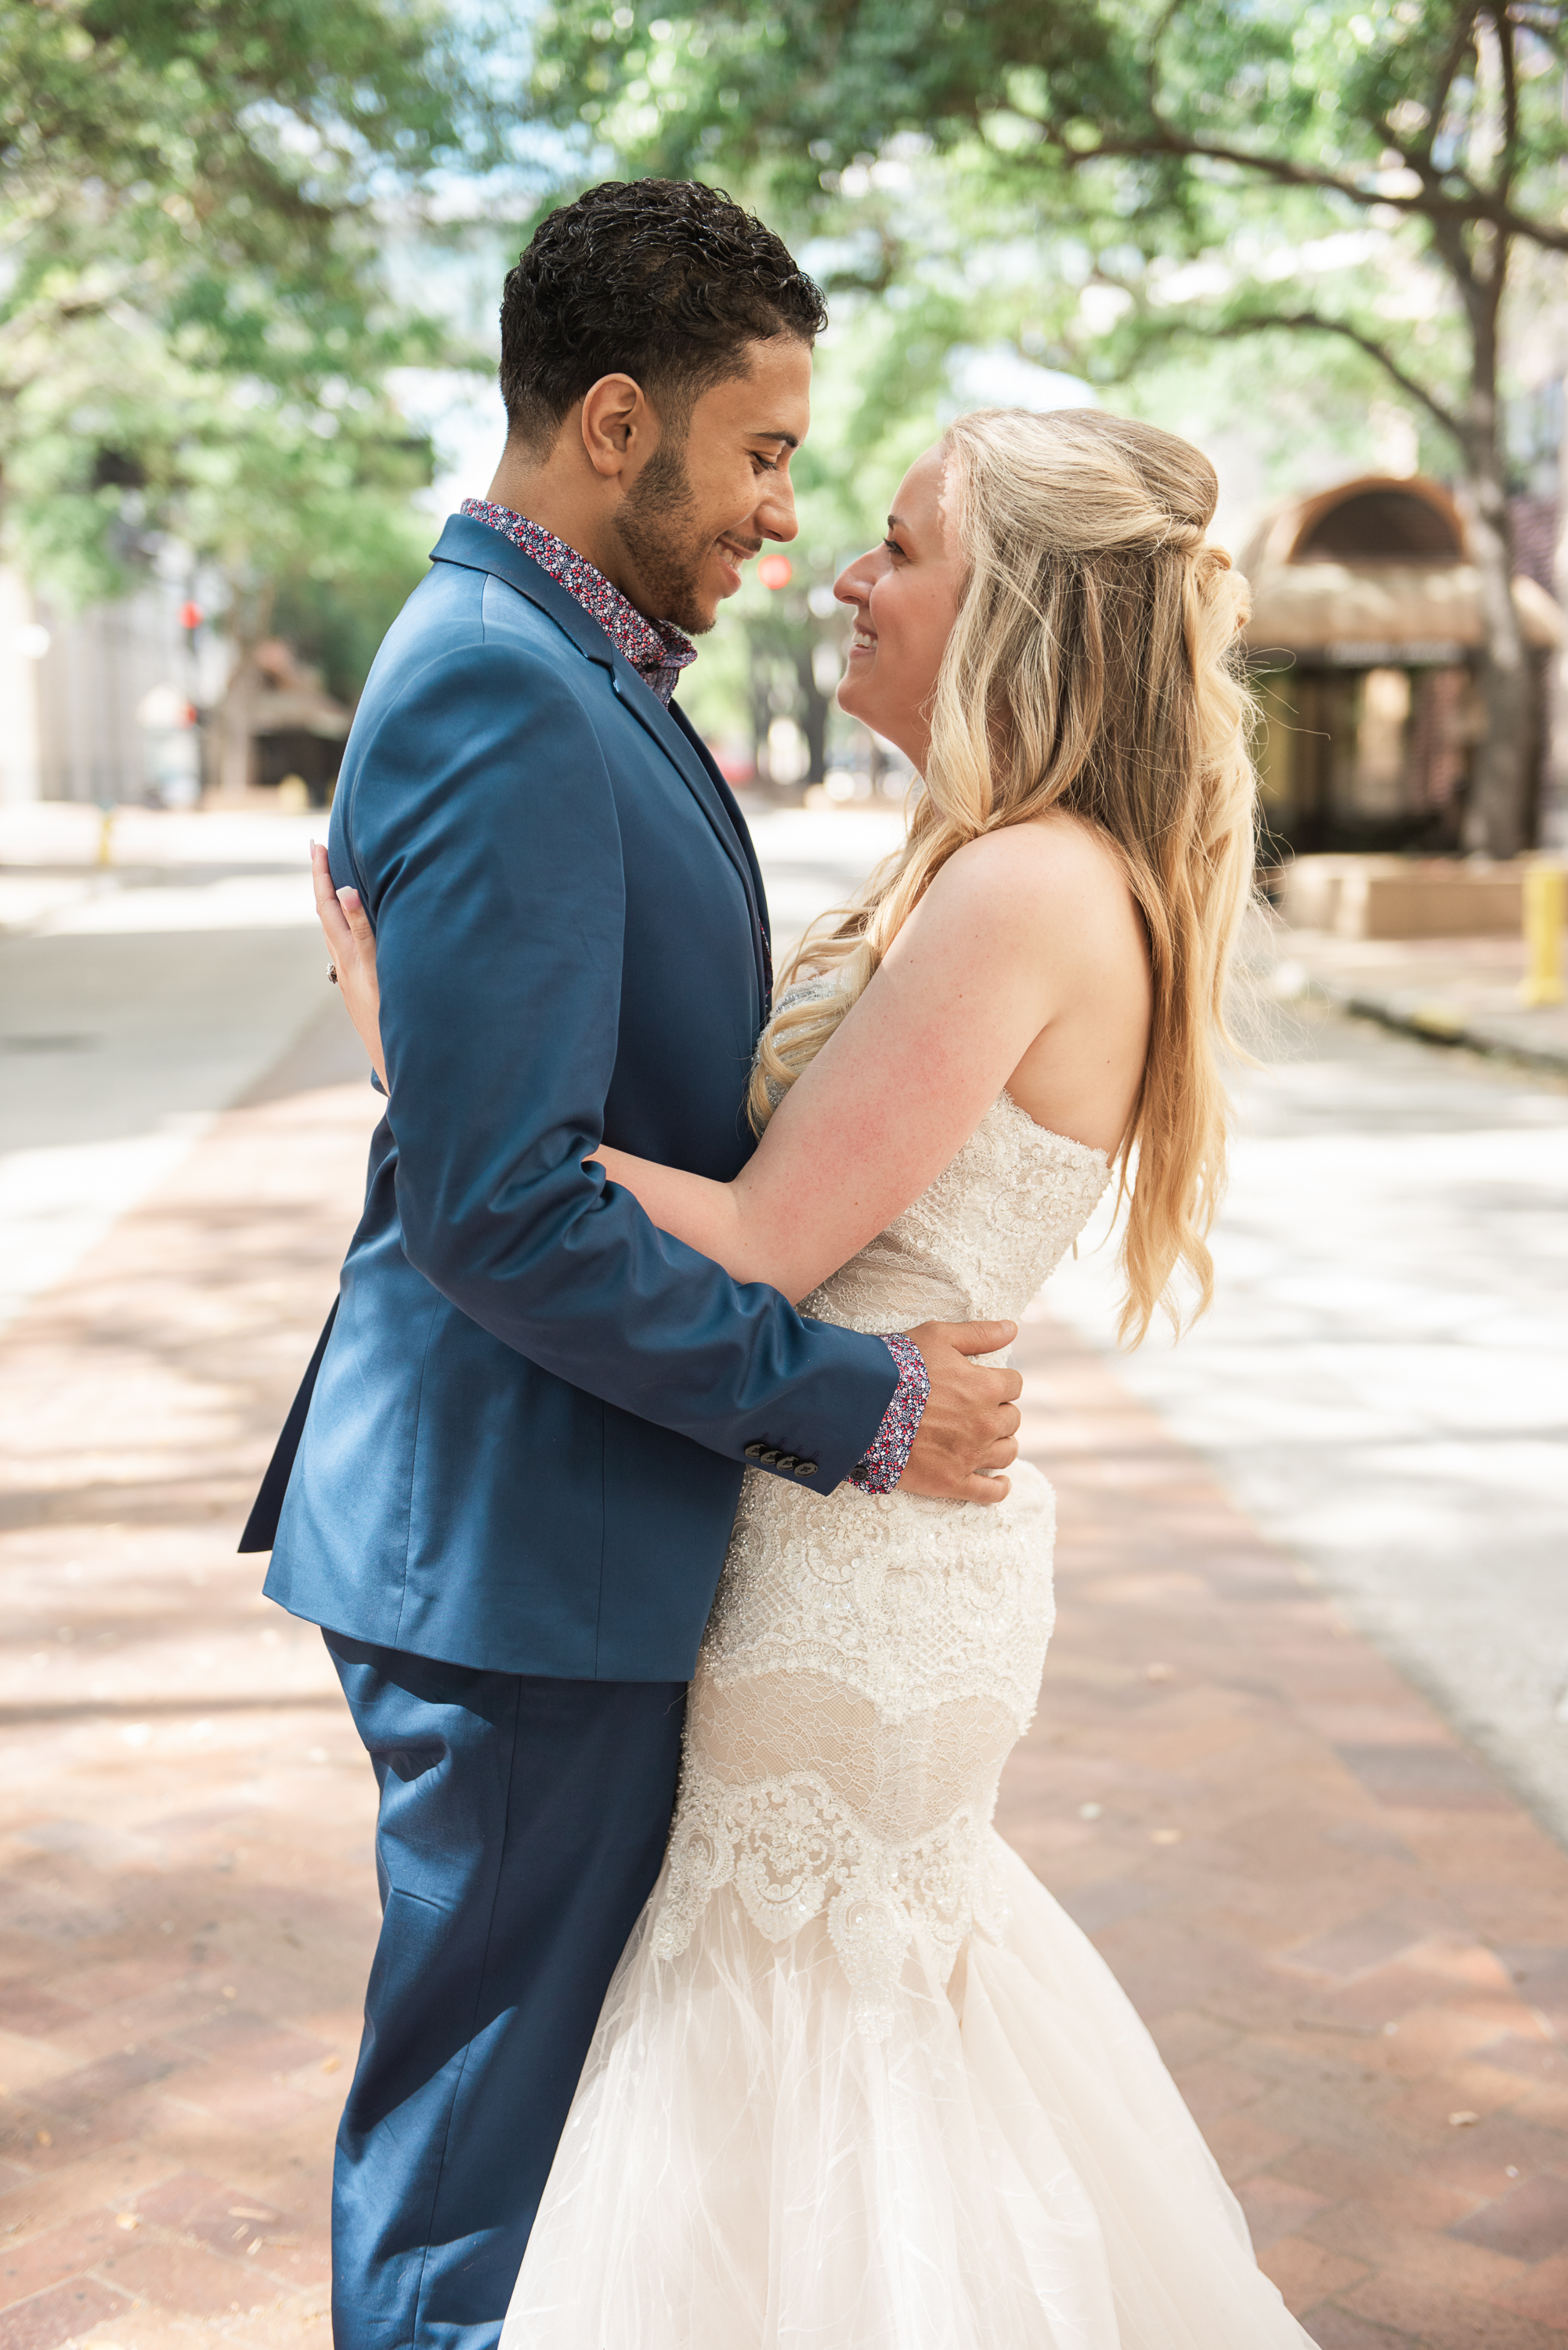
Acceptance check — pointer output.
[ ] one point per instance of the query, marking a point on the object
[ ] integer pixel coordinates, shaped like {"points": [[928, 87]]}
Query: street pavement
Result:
{"points": [[1382, 1381], [1349, 1937], [137, 999]]}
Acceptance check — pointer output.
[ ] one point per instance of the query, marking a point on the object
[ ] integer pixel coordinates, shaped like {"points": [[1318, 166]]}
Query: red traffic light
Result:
{"points": [[775, 571]]}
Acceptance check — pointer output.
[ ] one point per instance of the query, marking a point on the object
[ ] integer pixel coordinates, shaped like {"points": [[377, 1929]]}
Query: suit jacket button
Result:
{"points": [[787, 1461], [805, 1468], [770, 1459], [754, 1452]]}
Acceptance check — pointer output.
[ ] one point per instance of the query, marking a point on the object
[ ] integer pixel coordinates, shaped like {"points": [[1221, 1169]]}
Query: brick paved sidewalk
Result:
{"points": [[1278, 1846], [1349, 1940], [188, 1903]]}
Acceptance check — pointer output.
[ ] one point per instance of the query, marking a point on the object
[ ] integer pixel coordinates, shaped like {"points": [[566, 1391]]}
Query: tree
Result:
{"points": [[1428, 135], [195, 325]]}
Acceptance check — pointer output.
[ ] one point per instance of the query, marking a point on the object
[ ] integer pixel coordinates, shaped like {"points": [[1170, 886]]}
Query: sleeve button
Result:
{"points": [[805, 1468], [754, 1452]]}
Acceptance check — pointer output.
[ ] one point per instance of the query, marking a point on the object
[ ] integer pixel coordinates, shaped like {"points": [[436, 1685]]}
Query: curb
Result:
{"points": [[1435, 1022]]}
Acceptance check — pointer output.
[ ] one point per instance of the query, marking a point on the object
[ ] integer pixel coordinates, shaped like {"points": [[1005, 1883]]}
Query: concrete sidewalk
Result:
{"points": [[1447, 991], [1352, 1945]]}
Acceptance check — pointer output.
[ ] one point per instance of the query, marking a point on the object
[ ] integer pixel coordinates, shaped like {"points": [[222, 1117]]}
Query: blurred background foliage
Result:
{"points": [[1126, 191], [196, 333], [251, 250]]}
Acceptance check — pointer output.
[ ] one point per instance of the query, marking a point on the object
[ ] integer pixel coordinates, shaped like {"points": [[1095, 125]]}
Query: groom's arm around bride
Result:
{"points": [[515, 1479]]}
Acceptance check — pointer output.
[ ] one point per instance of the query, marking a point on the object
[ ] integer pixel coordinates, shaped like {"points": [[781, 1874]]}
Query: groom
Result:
{"points": [[511, 1472]]}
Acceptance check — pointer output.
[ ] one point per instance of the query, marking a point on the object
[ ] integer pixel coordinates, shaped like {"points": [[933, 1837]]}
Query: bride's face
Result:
{"points": [[905, 599]]}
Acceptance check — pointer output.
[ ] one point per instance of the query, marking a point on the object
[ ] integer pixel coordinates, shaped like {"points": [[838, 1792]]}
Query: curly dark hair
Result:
{"points": [[664, 280]]}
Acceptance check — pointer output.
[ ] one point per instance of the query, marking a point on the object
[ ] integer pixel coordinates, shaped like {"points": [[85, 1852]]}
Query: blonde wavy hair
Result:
{"points": [[1094, 666]]}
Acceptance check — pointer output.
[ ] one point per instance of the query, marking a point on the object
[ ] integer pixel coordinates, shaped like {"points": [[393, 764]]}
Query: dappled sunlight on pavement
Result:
{"points": [[188, 1905], [1349, 1940]]}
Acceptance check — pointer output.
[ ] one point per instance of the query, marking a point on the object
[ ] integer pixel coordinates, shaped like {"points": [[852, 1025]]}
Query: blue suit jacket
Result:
{"points": [[525, 1437]]}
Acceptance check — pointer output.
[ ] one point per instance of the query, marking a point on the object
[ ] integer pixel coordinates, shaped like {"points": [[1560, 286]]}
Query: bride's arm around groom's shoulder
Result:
{"points": [[1019, 930], [1017, 927]]}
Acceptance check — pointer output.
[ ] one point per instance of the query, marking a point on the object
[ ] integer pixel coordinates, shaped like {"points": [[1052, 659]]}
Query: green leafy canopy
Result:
{"points": [[195, 325], [1104, 180], [1146, 134]]}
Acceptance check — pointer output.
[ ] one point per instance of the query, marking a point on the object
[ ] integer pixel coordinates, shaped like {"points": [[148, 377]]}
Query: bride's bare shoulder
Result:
{"points": [[1043, 906], [1056, 866]]}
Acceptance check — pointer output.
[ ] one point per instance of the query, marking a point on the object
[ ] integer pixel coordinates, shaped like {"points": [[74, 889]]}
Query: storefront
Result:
{"points": [[1365, 625]]}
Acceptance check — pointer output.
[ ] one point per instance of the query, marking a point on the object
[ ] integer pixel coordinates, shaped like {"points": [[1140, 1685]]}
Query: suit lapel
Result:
{"points": [[738, 825], [478, 547], [676, 738]]}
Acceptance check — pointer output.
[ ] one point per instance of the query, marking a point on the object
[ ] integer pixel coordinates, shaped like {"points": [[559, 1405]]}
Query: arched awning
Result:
{"points": [[1377, 574]]}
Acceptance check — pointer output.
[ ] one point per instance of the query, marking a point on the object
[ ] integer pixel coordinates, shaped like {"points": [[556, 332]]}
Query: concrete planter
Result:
{"points": [[1402, 898]]}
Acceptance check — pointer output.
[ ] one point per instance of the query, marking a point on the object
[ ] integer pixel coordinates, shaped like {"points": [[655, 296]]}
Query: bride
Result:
{"points": [[859, 2083]]}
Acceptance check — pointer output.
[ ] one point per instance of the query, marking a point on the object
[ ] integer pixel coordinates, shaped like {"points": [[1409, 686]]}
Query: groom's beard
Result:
{"points": [[655, 524]]}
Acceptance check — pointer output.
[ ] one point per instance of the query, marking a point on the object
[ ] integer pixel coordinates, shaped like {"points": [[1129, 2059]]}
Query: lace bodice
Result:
{"points": [[977, 1245], [871, 1660]]}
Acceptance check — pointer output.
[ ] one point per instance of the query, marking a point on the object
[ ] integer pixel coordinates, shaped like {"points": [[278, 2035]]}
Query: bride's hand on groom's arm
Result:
{"points": [[352, 945]]}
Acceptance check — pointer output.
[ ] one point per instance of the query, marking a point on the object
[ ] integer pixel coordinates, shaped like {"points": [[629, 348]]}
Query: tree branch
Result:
{"points": [[1151, 62], [1463, 38], [1314, 322], [1503, 27], [1165, 140], [1429, 206]]}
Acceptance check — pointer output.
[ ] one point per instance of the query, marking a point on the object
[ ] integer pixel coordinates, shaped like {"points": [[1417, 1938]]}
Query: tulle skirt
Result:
{"points": [[747, 2167]]}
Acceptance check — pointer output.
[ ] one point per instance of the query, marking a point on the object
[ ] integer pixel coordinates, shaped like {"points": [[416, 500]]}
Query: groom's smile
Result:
{"points": [[732, 553]]}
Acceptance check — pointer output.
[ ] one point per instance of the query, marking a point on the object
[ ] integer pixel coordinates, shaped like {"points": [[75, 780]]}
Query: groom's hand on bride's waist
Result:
{"points": [[970, 1425]]}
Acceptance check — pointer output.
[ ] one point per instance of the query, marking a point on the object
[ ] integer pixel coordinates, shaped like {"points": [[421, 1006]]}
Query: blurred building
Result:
{"points": [[103, 705], [140, 702], [293, 725], [1365, 628]]}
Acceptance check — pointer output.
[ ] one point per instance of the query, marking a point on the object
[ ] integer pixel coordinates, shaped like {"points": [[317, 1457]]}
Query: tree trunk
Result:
{"points": [[1553, 827], [234, 764], [1497, 812], [759, 691], [813, 706], [249, 614]]}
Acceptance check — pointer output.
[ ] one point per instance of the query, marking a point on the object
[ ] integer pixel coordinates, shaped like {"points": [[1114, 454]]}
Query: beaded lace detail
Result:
{"points": [[872, 1658]]}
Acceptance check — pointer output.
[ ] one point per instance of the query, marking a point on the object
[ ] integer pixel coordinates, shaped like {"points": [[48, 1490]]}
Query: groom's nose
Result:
{"points": [[775, 516]]}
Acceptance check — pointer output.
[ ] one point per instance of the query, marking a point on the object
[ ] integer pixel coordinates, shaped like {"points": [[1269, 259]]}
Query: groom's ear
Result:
{"points": [[619, 426]]}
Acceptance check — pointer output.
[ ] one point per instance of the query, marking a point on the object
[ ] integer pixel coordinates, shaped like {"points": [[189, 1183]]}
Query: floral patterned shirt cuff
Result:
{"points": [[888, 1456]]}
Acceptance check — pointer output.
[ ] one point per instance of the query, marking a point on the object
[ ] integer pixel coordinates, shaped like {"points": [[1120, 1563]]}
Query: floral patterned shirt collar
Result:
{"points": [[656, 649]]}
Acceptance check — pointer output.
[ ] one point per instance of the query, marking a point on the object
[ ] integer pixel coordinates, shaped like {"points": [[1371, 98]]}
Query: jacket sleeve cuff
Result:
{"points": [[887, 1456]]}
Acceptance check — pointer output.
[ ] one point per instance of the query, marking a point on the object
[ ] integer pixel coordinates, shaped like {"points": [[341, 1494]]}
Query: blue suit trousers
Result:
{"points": [[523, 1822]]}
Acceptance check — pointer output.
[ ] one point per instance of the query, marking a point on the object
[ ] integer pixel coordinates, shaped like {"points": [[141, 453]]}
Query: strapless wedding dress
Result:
{"points": [[859, 2083]]}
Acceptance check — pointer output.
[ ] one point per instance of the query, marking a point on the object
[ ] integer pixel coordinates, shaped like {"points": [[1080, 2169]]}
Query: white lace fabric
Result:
{"points": [[859, 2083], [871, 1660]]}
